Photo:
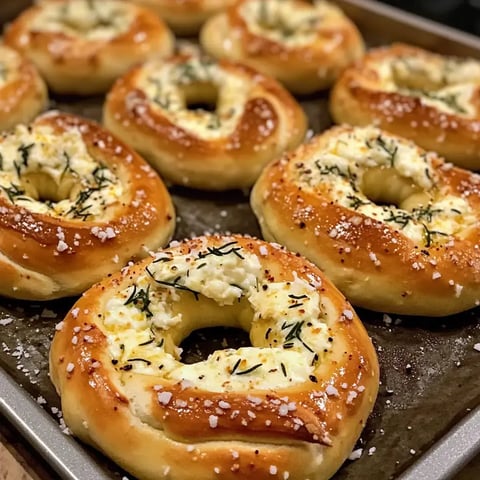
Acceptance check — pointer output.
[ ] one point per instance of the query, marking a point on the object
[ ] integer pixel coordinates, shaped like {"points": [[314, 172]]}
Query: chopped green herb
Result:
{"points": [[141, 299], [173, 284], [144, 360], [390, 149], [356, 202], [221, 251], [249, 370], [237, 364]]}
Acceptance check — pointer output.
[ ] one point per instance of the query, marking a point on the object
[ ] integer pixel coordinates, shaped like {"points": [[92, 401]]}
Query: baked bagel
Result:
{"points": [[245, 120], [75, 205], [185, 17], [431, 99], [303, 45], [82, 46], [290, 406], [394, 227], [23, 94]]}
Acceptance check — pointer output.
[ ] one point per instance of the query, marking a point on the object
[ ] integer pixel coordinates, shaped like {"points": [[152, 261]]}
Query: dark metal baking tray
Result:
{"points": [[426, 422]]}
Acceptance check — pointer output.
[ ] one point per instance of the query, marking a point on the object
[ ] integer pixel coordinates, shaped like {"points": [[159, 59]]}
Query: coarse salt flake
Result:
{"points": [[263, 250], [164, 397], [331, 391], [213, 421], [356, 454]]}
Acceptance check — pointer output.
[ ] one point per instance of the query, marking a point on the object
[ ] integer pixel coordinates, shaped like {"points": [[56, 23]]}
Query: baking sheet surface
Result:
{"points": [[429, 367]]}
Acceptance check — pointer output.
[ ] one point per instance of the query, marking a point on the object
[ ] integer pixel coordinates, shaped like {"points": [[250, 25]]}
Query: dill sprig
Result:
{"points": [[14, 192], [390, 149], [356, 202], [449, 99], [99, 176], [79, 209], [248, 370], [222, 250], [24, 151], [400, 217], [429, 234], [294, 333], [138, 359], [141, 299], [174, 284], [68, 168], [161, 100], [425, 213]]}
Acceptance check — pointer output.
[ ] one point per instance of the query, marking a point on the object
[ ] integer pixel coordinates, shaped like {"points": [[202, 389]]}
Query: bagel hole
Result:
{"points": [[410, 74], [204, 341], [385, 186], [201, 96], [43, 188]]}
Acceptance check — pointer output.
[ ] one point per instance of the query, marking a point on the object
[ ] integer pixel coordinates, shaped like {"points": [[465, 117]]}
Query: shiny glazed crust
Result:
{"points": [[23, 94], [362, 96], [185, 17], [308, 57], [255, 120], [46, 255], [72, 52], [158, 425], [414, 253]]}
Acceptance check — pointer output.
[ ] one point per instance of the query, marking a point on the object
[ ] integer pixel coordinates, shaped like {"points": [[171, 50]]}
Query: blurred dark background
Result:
{"points": [[461, 14]]}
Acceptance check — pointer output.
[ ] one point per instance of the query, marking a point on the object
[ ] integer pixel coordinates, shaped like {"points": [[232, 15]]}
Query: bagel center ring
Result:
{"points": [[389, 182], [280, 22], [197, 95], [71, 184], [446, 84], [82, 18], [221, 286]]}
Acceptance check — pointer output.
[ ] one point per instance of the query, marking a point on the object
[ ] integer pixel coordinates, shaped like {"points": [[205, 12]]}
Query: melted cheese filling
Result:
{"points": [[288, 22], [53, 174], [166, 85], [444, 83], [340, 168], [142, 321], [87, 19]]}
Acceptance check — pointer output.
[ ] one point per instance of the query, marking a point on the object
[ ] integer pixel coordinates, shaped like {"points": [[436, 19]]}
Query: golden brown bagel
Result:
{"points": [[23, 94], [75, 205], [254, 119], [431, 99], [394, 227], [82, 46], [303, 45], [290, 407], [185, 17]]}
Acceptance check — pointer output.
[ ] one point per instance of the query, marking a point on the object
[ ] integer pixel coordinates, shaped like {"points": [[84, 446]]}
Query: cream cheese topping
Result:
{"points": [[230, 280], [287, 22], [54, 174], [88, 19], [342, 164], [444, 83], [168, 86]]}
